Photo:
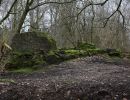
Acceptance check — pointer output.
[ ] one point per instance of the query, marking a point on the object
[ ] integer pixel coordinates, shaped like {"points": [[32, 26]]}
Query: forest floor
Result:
{"points": [[89, 78]]}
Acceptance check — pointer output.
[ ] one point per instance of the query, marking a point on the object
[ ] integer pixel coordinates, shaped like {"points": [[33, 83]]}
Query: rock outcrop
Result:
{"points": [[33, 41]]}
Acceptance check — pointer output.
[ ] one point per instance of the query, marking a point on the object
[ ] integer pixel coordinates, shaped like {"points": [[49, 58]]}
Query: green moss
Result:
{"points": [[61, 55], [7, 80], [25, 59], [94, 51], [72, 52], [52, 52], [38, 59], [52, 57], [81, 53], [75, 52], [30, 61], [113, 52], [85, 46], [23, 70]]}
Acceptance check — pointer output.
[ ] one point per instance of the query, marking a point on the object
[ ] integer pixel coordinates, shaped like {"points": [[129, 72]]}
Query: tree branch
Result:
{"points": [[43, 3], [91, 4], [102, 4], [8, 13], [117, 10], [1, 1]]}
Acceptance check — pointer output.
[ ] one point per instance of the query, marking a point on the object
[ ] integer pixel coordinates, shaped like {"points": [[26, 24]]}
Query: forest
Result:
{"points": [[64, 50]]}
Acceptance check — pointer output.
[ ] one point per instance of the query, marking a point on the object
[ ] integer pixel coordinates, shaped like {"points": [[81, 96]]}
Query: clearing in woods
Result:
{"points": [[89, 78]]}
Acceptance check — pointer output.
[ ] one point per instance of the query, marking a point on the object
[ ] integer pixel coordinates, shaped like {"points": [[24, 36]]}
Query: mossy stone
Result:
{"points": [[33, 41], [112, 52], [24, 60], [85, 46]]}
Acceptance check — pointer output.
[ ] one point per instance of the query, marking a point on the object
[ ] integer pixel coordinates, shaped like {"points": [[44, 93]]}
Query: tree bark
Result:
{"points": [[25, 12]]}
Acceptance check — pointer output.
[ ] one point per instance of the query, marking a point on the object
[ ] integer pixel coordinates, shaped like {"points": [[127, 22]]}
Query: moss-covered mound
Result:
{"points": [[92, 49], [40, 58], [58, 56], [85, 46], [112, 52]]}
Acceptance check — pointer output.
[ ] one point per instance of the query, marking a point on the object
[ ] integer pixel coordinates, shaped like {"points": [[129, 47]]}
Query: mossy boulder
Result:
{"points": [[91, 49], [38, 49], [29, 49], [51, 57], [25, 60], [112, 52], [61, 55], [33, 41]]}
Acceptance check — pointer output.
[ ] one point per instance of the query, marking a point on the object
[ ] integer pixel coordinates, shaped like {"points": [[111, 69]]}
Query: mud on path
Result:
{"points": [[90, 78]]}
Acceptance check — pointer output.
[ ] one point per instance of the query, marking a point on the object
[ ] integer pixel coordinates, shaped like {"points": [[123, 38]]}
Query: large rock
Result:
{"points": [[29, 49], [33, 41]]}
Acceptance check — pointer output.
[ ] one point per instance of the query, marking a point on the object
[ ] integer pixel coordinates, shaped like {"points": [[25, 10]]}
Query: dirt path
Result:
{"points": [[90, 78]]}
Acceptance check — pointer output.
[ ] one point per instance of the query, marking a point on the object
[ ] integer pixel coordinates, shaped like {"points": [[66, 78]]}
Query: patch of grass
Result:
{"points": [[7, 80], [74, 52], [94, 51], [23, 70]]}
